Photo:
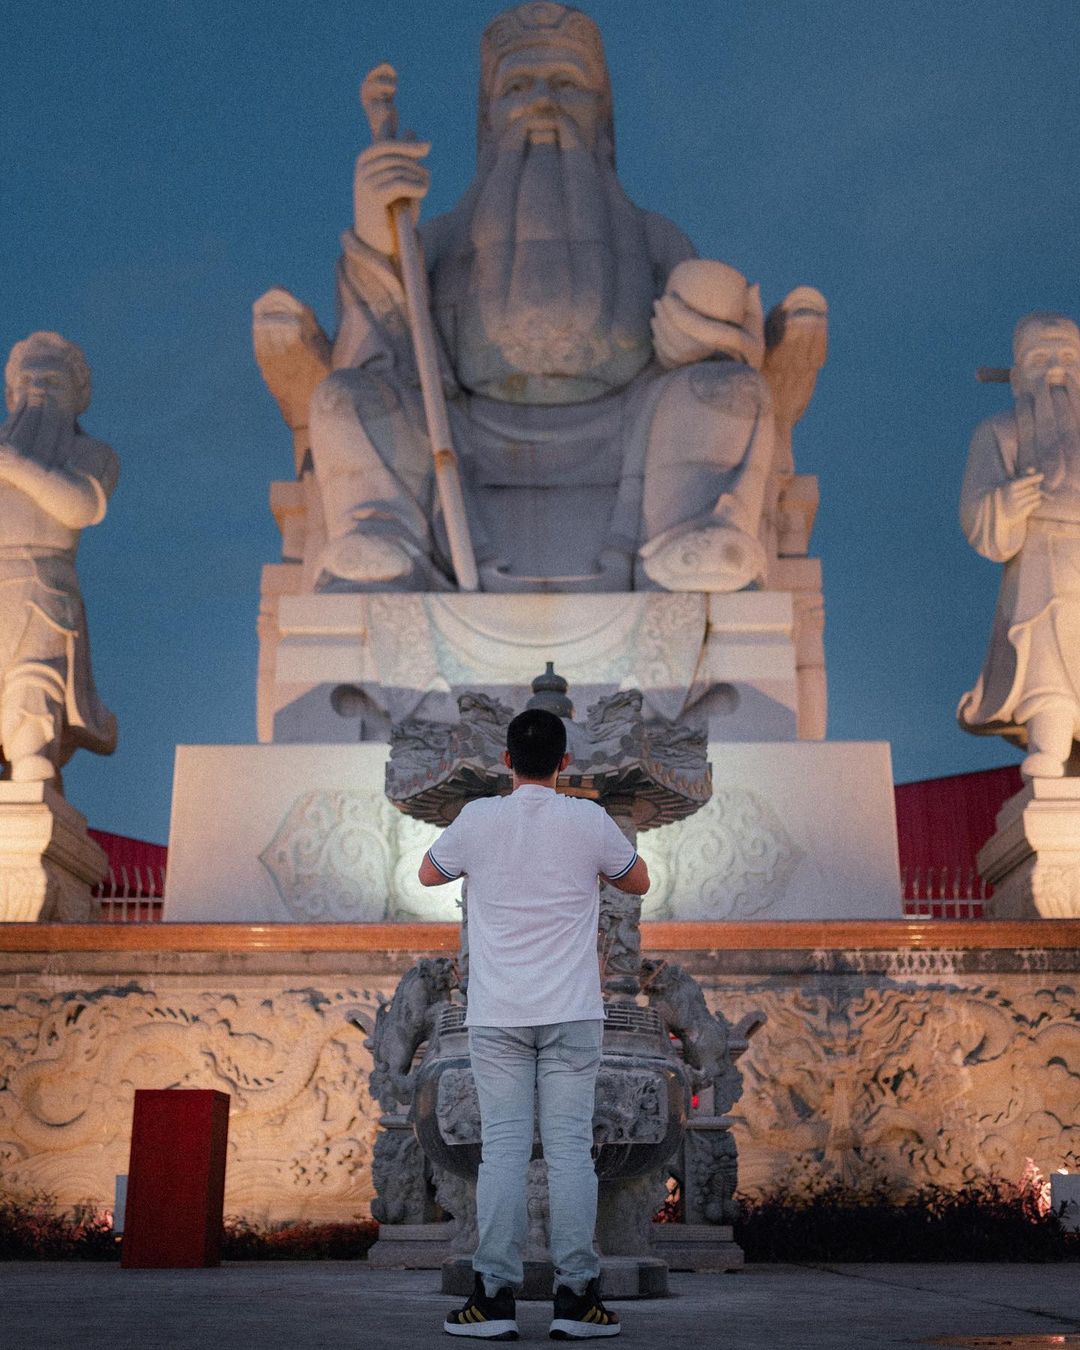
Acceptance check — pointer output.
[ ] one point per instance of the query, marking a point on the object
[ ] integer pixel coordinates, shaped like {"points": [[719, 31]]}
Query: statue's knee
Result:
{"points": [[354, 395]]}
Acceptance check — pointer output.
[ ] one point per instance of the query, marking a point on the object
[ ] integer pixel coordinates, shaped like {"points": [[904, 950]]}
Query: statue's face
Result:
{"points": [[1054, 360], [41, 377], [538, 87]]}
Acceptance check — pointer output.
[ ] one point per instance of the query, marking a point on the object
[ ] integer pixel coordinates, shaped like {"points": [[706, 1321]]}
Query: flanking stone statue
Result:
{"points": [[54, 482], [620, 407], [1020, 505]]}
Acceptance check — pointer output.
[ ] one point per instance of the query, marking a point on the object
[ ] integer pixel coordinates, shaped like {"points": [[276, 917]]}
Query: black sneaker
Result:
{"points": [[488, 1319], [581, 1316]]}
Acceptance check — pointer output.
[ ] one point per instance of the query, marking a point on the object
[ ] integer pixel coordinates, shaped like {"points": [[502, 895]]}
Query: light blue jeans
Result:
{"points": [[554, 1066]]}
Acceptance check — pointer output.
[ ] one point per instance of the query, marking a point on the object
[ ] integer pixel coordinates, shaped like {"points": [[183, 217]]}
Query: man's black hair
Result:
{"points": [[536, 743]]}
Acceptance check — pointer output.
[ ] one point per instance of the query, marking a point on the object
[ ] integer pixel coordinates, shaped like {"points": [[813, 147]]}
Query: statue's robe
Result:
{"points": [[42, 616], [1034, 653], [566, 475]]}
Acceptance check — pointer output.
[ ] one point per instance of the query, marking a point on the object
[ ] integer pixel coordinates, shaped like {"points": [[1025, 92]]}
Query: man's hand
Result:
{"points": [[387, 172], [634, 882], [1020, 496]]}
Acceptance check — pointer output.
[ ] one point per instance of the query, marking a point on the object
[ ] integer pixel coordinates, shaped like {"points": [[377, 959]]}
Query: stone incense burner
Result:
{"points": [[645, 775]]}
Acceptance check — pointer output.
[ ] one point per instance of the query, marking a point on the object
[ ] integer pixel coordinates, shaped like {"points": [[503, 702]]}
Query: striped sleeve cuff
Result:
{"points": [[611, 876], [450, 876]]}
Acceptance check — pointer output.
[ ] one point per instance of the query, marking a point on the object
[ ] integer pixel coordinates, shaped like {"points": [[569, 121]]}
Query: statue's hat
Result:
{"points": [[1043, 326]]}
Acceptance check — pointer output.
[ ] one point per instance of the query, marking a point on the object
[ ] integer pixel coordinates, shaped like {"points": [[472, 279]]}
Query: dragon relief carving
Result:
{"points": [[301, 1120], [907, 1086]]}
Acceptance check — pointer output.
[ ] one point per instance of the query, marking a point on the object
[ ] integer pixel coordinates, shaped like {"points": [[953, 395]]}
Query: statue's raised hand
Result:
{"points": [[387, 172], [1020, 496]]}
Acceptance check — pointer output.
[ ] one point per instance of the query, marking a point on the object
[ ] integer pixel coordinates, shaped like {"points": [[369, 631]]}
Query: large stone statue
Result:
{"points": [[54, 481], [1020, 505], [617, 404]]}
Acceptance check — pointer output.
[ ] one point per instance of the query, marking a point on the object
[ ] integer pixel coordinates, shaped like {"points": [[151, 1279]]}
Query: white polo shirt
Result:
{"points": [[532, 860]]}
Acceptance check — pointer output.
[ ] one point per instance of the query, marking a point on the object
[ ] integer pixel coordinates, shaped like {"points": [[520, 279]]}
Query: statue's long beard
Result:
{"points": [[1048, 424], [559, 272]]}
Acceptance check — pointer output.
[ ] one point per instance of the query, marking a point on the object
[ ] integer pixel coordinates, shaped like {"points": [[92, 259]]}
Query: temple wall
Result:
{"points": [[912, 1051]]}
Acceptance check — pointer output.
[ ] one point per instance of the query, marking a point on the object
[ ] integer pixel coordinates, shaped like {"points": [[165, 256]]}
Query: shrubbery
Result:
{"points": [[987, 1220], [36, 1230]]}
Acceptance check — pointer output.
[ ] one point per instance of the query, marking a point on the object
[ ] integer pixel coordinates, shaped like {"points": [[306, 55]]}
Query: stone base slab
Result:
{"points": [[1033, 858], [411, 1246], [697, 1246], [48, 862], [620, 1277], [305, 834]]}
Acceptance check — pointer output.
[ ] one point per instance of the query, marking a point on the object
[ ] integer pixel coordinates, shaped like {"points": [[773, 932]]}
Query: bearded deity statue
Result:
{"points": [[1020, 505], [620, 409], [54, 481]]}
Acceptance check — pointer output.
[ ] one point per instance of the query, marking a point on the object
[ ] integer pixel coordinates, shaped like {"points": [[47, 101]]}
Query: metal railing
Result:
{"points": [[131, 894], [947, 892]]}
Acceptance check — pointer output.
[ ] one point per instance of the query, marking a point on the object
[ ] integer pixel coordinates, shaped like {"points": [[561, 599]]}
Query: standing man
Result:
{"points": [[535, 1018]]}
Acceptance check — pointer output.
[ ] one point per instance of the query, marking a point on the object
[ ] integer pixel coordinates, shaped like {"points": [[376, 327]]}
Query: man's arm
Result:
{"points": [[633, 882], [431, 874]]}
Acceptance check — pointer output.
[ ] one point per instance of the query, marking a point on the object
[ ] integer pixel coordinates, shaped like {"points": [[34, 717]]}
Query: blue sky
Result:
{"points": [[162, 165]]}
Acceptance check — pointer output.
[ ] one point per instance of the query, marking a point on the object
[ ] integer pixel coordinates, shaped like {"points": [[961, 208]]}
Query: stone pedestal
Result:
{"points": [[1033, 858], [382, 658], [697, 1246], [48, 862]]}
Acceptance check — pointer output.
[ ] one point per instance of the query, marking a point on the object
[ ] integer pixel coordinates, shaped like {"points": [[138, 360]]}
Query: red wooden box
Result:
{"points": [[176, 1179]]}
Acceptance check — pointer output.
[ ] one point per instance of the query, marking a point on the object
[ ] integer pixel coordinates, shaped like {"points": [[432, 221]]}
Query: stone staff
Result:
{"points": [[377, 97]]}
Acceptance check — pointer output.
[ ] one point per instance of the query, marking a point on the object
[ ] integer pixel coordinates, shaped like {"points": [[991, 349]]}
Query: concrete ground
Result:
{"points": [[299, 1306]]}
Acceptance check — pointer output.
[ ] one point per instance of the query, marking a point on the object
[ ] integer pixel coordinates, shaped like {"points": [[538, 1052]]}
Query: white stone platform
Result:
{"points": [[303, 833]]}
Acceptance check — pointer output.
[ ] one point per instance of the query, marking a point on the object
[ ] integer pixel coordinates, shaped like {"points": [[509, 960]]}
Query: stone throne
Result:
{"points": [[660, 1041]]}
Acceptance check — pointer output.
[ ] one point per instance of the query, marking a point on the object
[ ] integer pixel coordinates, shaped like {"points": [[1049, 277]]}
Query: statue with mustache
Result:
{"points": [[54, 482], [619, 414], [1020, 505]]}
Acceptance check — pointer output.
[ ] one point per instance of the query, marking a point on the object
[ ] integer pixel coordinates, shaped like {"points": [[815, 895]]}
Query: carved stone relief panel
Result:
{"points": [[349, 855], [912, 1084], [302, 1123], [733, 859], [927, 1077]]}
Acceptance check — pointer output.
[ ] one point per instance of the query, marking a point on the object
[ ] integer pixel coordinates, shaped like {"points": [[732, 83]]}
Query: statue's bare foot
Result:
{"points": [[1041, 765], [709, 558], [366, 559]]}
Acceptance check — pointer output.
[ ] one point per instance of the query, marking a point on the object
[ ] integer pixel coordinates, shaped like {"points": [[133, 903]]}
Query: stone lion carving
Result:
{"points": [[403, 1024], [709, 1042]]}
